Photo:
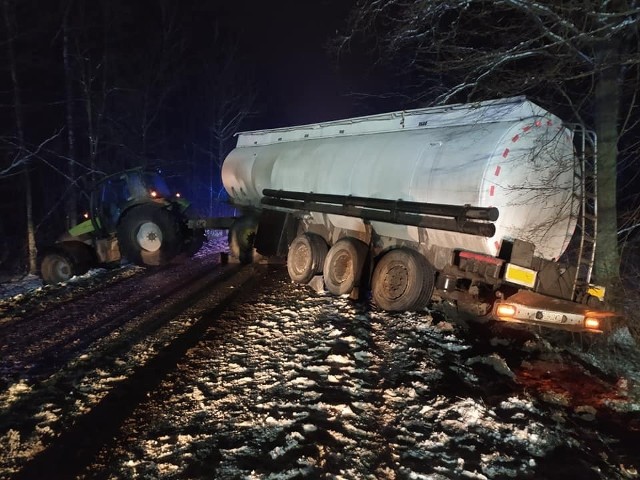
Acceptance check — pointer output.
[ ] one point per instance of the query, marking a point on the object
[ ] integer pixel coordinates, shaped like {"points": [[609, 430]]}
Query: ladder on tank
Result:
{"points": [[587, 176]]}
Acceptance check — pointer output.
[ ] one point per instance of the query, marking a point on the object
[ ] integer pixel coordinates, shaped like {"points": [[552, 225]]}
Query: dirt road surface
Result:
{"points": [[205, 370]]}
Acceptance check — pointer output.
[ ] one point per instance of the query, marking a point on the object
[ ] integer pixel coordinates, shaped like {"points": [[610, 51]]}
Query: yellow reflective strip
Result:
{"points": [[520, 275]]}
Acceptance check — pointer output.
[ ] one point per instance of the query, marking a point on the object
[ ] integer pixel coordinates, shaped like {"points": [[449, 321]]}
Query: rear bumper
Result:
{"points": [[532, 308]]}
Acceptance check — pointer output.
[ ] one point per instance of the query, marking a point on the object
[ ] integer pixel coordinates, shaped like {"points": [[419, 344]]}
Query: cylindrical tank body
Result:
{"points": [[510, 154]]}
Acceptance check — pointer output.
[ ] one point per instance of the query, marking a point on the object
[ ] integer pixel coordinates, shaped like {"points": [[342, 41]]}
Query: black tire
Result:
{"points": [[306, 257], [241, 236], [402, 280], [56, 267], [149, 235], [343, 265]]}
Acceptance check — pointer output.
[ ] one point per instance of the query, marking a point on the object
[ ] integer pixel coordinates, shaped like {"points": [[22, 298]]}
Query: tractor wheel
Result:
{"points": [[343, 265], [241, 236], [402, 280], [149, 235], [57, 267], [306, 257]]}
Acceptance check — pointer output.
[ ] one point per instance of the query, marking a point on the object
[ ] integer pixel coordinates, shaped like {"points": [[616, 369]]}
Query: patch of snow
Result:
{"points": [[495, 361]]}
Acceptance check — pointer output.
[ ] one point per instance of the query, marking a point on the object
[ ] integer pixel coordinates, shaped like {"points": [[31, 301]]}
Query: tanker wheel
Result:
{"points": [[241, 236], [57, 267], [343, 265], [306, 257], [149, 235], [402, 280]]}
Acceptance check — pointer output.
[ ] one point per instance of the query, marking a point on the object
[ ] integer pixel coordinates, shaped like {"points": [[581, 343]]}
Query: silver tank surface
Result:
{"points": [[510, 154]]}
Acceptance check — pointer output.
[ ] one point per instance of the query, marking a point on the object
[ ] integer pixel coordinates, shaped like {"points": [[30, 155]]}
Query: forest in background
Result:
{"points": [[92, 88]]}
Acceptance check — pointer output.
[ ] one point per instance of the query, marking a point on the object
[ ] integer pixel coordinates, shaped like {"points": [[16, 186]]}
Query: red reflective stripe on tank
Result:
{"points": [[497, 172], [549, 123], [505, 153], [515, 138], [538, 123], [492, 190], [497, 245], [527, 128]]}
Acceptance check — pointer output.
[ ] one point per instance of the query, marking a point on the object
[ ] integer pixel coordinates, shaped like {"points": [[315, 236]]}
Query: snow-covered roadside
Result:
{"points": [[306, 386]]}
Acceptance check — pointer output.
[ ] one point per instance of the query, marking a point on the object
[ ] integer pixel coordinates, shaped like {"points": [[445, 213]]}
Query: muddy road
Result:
{"points": [[210, 370]]}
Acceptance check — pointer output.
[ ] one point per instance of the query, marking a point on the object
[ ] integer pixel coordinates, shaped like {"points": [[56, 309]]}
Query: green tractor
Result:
{"points": [[133, 215]]}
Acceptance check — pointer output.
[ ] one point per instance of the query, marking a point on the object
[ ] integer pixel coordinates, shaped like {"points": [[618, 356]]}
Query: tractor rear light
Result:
{"points": [[504, 310], [592, 323], [86, 215], [178, 195], [153, 193]]}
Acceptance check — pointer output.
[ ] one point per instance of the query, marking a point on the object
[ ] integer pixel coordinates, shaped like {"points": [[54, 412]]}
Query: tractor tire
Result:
{"points": [[306, 256], [65, 260], [149, 235], [241, 236], [56, 267], [343, 265], [402, 280]]}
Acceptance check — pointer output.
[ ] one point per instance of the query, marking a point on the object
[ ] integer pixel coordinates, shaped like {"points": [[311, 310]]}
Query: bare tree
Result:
{"points": [[72, 202], [20, 158], [231, 96], [577, 58], [159, 67]]}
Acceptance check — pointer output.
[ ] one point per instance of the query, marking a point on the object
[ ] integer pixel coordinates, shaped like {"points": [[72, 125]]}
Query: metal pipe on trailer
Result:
{"points": [[453, 218]]}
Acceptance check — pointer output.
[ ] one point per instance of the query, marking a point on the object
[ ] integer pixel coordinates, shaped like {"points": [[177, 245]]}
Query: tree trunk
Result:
{"points": [[17, 108], [607, 108], [72, 201]]}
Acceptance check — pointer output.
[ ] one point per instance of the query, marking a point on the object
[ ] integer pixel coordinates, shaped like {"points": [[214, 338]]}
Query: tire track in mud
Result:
{"points": [[33, 417], [36, 346], [84, 433]]}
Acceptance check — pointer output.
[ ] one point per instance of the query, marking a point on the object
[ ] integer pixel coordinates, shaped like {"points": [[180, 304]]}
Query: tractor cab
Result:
{"points": [[116, 193]]}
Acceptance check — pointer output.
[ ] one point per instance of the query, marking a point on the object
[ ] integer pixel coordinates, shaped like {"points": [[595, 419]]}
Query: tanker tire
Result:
{"points": [[241, 236], [57, 267], [306, 257], [343, 265], [402, 280], [149, 236]]}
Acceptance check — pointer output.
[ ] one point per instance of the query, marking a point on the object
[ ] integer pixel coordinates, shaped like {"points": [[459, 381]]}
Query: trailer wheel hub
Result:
{"points": [[395, 282], [149, 237], [300, 258], [342, 268]]}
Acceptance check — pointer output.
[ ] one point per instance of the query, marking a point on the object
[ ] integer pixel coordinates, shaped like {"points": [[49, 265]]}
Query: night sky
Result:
{"points": [[301, 79]]}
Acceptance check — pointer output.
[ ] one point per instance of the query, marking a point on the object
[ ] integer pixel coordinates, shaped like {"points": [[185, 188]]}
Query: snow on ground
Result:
{"points": [[312, 386], [294, 384]]}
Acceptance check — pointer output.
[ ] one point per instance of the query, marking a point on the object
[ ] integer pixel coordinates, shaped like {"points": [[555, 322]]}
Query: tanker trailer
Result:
{"points": [[473, 204]]}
